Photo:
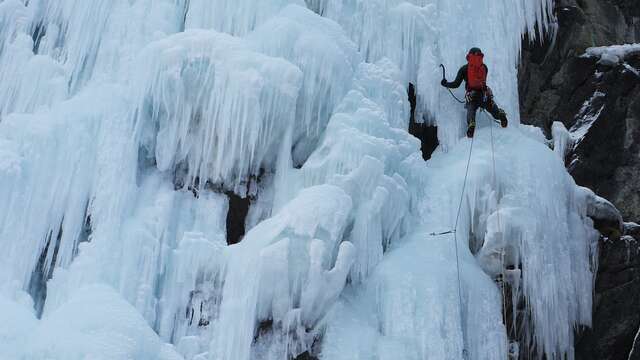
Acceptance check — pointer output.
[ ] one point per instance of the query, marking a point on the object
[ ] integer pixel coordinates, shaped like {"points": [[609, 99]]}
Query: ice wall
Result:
{"points": [[420, 34], [232, 17], [122, 124], [331, 229]]}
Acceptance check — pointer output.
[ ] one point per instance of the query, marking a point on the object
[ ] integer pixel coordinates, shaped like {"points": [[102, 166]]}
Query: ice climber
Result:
{"points": [[478, 94]]}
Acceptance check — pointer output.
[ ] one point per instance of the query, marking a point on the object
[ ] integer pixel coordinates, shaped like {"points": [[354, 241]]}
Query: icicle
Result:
{"points": [[217, 106], [236, 17], [327, 59]]}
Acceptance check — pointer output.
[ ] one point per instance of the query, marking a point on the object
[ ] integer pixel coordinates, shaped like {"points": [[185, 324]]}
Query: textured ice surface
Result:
{"points": [[232, 16], [214, 105], [123, 123], [399, 289], [327, 59], [96, 323]]}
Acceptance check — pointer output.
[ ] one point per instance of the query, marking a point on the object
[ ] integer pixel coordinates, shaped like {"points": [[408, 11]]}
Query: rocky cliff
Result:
{"points": [[597, 98]]}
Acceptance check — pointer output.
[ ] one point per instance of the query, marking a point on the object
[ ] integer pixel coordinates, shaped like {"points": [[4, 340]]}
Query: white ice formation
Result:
{"points": [[124, 124]]}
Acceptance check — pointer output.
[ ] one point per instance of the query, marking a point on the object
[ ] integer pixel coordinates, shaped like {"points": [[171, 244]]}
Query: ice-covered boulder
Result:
{"points": [[606, 217], [327, 58], [208, 101]]}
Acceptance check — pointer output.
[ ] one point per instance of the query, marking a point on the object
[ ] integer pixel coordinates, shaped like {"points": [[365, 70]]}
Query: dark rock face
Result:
{"points": [[555, 84], [428, 135], [551, 70], [616, 318], [558, 84], [600, 105], [236, 217], [607, 158]]}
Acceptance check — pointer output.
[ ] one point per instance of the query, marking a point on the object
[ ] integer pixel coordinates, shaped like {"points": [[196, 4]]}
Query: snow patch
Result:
{"points": [[613, 54]]}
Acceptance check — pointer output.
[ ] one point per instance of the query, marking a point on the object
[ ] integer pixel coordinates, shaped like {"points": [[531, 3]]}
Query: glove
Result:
{"points": [[444, 82]]}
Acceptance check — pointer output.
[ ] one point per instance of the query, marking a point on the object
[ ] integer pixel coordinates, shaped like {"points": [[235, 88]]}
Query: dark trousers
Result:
{"points": [[477, 100]]}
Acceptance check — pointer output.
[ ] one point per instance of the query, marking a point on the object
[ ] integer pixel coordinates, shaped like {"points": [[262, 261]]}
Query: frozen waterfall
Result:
{"points": [[124, 125]]}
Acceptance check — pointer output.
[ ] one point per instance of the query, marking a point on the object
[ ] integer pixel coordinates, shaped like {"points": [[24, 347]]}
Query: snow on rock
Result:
{"points": [[588, 114], [601, 209], [612, 55], [631, 228], [218, 107]]}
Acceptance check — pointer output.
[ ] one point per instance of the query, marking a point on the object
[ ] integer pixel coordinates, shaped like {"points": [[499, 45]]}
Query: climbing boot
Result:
{"points": [[503, 119], [471, 129]]}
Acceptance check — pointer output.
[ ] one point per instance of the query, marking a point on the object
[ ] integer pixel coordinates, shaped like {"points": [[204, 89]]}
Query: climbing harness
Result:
{"points": [[450, 92]]}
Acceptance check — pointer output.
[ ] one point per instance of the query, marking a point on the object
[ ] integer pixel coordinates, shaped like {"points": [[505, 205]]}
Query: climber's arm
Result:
{"points": [[459, 78]]}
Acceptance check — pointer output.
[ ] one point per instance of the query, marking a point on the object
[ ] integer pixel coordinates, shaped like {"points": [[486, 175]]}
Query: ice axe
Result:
{"points": [[444, 77]]}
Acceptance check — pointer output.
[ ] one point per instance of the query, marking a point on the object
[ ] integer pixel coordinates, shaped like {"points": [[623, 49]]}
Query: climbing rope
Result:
{"points": [[455, 97], [465, 354], [455, 240], [502, 252]]}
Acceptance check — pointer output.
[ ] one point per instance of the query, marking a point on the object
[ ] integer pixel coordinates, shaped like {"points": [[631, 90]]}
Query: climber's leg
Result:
{"points": [[495, 110], [472, 106]]}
